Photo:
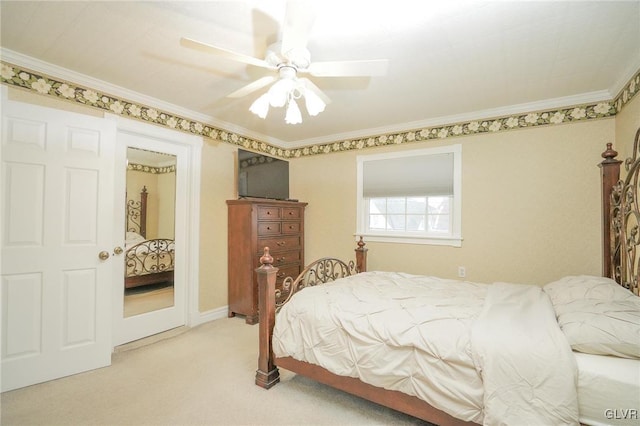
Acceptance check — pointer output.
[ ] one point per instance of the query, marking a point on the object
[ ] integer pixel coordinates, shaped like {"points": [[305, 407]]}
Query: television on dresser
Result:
{"points": [[262, 176]]}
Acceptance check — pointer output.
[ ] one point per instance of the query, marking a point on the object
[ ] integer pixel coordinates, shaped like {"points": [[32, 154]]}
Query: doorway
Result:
{"points": [[157, 184]]}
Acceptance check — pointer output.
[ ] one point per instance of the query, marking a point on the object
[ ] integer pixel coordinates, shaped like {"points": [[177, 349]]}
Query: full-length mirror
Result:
{"points": [[150, 232]]}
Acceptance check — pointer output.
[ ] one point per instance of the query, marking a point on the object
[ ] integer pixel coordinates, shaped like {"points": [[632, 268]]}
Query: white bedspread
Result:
{"points": [[414, 334], [527, 366]]}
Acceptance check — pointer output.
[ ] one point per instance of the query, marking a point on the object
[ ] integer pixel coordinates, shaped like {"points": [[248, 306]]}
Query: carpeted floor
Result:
{"points": [[204, 376]]}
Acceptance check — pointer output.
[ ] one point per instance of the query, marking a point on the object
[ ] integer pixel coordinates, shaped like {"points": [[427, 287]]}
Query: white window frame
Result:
{"points": [[410, 237]]}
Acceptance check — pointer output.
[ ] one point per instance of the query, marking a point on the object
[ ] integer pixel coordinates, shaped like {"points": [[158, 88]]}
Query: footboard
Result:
{"points": [[271, 299], [149, 262]]}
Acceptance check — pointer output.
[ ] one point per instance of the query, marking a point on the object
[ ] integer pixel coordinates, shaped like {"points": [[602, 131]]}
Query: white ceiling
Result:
{"points": [[448, 60]]}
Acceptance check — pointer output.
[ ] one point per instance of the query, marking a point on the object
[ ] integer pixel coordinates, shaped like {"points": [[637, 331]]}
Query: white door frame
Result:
{"points": [[189, 148]]}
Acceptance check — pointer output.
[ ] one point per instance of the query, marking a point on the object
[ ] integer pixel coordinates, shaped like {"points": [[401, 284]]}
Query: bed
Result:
{"points": [[452, 352], [147, 261]]}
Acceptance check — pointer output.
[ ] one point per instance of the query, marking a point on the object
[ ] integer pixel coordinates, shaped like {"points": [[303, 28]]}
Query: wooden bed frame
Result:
{"points": [[621, 238], [153, 269]]}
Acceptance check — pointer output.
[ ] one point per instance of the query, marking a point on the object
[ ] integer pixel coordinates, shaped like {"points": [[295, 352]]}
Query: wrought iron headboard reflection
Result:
{"points": [[137, 214]]}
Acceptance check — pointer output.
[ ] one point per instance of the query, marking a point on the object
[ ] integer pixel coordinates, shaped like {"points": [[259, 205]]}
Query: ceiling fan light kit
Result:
{"points": [[286, 91], [289, 57]]}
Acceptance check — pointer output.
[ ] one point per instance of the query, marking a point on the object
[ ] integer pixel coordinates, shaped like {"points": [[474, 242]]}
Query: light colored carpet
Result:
{"points": [[204, 376]]}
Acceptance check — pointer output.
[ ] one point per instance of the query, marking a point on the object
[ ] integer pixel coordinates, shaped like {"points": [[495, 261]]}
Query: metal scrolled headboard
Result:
{"points": [[625, 224], [137, 214]]}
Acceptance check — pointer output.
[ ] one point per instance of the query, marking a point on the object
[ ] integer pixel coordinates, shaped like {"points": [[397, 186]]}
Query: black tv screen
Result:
{"points": [[261, 176]]}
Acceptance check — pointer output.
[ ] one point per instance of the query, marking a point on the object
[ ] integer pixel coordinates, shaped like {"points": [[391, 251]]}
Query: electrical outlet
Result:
{"points": [[462, 271]]}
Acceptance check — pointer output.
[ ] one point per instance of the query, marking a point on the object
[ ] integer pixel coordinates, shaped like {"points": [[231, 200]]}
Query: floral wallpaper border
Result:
{"points": [[151, 169], [255, 161], [45, 85]]}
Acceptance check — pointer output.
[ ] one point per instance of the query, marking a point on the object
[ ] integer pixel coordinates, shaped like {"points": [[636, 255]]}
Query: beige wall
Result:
{"points": [[530, 207], [217, 186], [530, 204]]}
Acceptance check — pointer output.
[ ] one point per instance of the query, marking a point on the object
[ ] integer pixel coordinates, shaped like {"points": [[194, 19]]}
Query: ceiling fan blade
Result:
{"points": [[208, 48], [365, 68], [297, 25], [252, 87], [315, 89]]}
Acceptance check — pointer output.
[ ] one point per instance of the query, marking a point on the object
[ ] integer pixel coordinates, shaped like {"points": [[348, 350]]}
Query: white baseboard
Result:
{"points": [[212, 315]]}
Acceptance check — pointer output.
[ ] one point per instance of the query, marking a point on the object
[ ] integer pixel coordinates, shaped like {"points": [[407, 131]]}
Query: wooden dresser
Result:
{"points": [[254, 224]]}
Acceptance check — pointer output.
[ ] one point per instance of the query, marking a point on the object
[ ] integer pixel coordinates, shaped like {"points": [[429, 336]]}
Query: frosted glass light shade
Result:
{"points": [[279, 92], [285, 92], [293, 113], [260, 106], [314, 104]]}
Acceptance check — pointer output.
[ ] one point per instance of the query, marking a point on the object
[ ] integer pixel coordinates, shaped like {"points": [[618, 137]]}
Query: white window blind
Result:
{"points": [[411, 196], [419, 175]]}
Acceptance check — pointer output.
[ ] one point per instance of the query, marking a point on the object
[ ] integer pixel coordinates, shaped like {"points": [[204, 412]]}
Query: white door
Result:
{"points": [[145, 137], [57, 207]]}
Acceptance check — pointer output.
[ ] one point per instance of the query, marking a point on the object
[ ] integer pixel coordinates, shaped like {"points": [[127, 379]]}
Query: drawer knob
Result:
{"points": [[280, 243], [281, 259], [290, 213], [269, 228]]}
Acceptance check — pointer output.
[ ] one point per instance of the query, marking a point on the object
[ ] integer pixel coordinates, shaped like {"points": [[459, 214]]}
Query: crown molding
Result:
{"points": [[587, 106], [624, 80], [96, 84], [121, 92], [547, 104]]}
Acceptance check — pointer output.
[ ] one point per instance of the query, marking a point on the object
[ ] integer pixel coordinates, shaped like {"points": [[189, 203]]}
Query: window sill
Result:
{"points": [[412, 239]]}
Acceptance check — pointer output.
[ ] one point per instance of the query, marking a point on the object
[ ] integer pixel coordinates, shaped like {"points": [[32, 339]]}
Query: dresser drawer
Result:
{"points": [[291, 213], [288, 271], [282, 258], [279, 244], [269, 228], [291, 227], [268, 212]]}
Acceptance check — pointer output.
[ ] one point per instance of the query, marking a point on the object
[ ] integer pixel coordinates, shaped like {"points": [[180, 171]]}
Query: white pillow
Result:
{"points": [[580, 287], [597, 315], [602, 327], [133, 238]]}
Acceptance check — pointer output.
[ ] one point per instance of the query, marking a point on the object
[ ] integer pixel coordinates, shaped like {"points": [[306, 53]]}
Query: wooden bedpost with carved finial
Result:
{"points": [[361, 257], [610, 175], [143, 211], [267, 374]]}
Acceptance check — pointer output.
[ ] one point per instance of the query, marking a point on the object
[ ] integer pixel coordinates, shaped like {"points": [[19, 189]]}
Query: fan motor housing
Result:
{"points": [[299, 57]]}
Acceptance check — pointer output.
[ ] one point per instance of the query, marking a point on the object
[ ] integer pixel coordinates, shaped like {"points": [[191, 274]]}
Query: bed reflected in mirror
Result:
{"points": [[150, 232]]}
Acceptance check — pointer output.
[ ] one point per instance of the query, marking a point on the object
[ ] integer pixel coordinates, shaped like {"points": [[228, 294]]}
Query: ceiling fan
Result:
{"points": [[287, 59]]}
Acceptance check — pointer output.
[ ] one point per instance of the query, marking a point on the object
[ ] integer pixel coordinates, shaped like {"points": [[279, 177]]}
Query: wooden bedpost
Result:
{"points": [[267, 374], [610, 174], [143, 211], [361, 257]]}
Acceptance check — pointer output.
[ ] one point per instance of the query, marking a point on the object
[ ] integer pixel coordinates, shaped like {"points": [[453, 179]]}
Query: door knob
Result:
{"points": [[117, 250], [103, 255]]}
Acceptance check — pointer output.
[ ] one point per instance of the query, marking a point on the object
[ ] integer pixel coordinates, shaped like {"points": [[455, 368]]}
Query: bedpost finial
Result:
{"points": [[361, 243], [266, 258], [610, 154]]}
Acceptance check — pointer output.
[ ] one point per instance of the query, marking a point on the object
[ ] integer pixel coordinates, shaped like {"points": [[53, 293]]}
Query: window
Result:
{"points": [[411, 196]]}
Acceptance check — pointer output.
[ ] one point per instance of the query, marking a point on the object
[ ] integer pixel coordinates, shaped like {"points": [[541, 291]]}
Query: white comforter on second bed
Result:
{"points": [[462, 347]]}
